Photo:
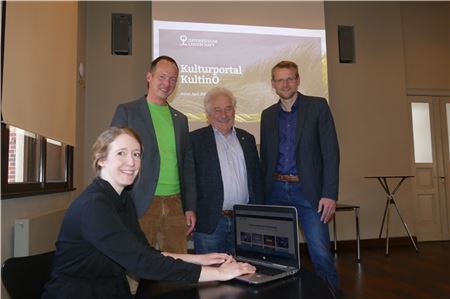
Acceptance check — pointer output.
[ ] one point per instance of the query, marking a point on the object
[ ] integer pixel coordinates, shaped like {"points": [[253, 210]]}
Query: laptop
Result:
{"points": [[266, 236]]}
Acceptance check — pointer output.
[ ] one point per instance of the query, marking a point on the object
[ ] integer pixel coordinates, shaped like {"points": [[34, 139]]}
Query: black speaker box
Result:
{"points": [[346, 40], [121, 29]]}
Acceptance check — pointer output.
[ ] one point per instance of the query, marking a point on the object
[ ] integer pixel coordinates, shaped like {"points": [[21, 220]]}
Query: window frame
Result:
{"points": [[13, 190]]}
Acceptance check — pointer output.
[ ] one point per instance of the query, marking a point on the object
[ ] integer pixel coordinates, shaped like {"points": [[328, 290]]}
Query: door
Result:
{"points": [[431, 127]]}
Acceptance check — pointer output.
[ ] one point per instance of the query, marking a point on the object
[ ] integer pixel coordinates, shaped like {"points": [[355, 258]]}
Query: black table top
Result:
{"points": [[303, 285]]}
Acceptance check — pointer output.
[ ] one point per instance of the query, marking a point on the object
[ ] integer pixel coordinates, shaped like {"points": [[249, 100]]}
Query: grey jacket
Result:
{"points": [[136, 115]]}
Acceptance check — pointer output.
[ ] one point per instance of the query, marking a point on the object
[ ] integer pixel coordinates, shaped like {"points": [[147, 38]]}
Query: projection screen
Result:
{"points": [[239, 57]]}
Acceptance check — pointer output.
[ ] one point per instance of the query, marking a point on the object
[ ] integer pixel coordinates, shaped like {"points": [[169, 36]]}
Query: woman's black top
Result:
{"points": [[100, 239]]}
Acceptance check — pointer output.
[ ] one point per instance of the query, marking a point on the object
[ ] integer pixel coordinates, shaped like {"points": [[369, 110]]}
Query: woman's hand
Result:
{"points": [[213, 259], [207, 259], [232, 269], [228, 270]]}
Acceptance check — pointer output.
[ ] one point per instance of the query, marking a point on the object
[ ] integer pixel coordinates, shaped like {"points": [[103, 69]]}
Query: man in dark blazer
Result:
{"points": [[300, 162], [227, 173], [164, 193]]}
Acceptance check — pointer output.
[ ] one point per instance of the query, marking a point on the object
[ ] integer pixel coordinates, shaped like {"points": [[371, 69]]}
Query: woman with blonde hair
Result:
{"points": [[100, 239]]}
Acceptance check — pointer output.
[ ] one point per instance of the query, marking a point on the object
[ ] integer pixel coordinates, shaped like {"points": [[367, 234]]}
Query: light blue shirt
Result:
{"points": [[232, 168]]}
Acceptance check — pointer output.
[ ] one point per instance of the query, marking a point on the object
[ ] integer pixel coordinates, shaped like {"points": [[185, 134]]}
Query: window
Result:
{"points": [[422, 132], [33, 165]]}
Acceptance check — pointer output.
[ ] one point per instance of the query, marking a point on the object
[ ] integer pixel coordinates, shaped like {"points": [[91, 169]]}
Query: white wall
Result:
{"points": [[368, 99], [426, 39], [27, 207], [112, 79]]}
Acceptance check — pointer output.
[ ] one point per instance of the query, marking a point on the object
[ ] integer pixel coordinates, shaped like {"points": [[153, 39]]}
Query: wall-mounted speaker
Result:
{"points": [[346, 40], [121, 29]]}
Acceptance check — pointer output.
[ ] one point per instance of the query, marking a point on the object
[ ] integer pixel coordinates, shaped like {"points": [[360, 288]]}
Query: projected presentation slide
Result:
{"points": [[239, 58]]}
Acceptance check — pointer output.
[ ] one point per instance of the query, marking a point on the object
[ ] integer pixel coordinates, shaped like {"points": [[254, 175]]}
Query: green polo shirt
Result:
{"points": [[169, 181]]}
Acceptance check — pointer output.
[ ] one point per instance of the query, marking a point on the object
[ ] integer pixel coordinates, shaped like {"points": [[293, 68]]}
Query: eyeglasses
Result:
{"points": [[289, 80]]}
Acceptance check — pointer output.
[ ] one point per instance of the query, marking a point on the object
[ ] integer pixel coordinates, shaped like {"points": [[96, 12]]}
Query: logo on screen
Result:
{"points": [[197, 42], [183, 39]]}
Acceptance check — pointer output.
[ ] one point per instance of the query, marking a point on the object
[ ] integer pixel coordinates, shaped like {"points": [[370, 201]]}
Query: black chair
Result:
{"points": [[25, 277]]}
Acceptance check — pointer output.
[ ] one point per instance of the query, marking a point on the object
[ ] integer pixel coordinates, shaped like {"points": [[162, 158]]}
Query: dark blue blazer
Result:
{"points": [[209, 178], [317, 149]]}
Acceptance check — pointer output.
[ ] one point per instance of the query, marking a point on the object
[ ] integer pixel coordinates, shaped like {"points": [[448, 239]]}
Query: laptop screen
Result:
{"points": [[267, 233]]}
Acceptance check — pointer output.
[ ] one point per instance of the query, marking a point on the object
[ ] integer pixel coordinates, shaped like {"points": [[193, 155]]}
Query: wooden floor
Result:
{"points": [[403, 274]]}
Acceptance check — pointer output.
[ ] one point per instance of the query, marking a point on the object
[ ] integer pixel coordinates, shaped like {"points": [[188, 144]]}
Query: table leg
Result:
{"points": [[384, 218], [357, 234], [405, 225], [387, 226], [390, 200]]}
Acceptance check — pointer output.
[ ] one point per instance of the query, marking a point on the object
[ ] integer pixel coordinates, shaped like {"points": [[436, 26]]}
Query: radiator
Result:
{"points": [[37, 234]]}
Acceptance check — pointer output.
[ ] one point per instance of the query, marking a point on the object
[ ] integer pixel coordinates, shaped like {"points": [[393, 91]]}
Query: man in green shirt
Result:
{"points": [[164, 194]]}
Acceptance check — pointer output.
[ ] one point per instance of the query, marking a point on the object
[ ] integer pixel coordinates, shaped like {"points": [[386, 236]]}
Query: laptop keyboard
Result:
{"points": [[267, 270]]}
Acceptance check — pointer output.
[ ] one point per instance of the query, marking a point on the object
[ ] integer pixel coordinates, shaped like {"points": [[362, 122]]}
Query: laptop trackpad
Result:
{"points": [[254, 278]]}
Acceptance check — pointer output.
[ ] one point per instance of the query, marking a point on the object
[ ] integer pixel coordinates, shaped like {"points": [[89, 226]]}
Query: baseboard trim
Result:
{"points": [[365, 244], [370, 243]]}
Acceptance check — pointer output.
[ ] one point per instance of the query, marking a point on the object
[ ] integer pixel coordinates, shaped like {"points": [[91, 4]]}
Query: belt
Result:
{"points": [[227, 213], [286, 178]]}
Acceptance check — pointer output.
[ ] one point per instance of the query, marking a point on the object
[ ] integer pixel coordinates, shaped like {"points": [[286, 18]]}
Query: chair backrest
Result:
{"points": [[25, 277]]}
